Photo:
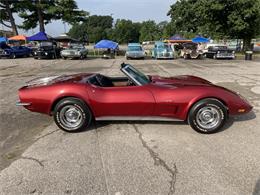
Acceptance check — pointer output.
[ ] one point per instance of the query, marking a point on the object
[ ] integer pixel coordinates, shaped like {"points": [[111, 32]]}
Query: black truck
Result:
{"points": [[47, 50]]}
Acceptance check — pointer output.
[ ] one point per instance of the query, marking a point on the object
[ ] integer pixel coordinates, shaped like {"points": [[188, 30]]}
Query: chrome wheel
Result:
{"points": [[70, 116], [208, 117]]}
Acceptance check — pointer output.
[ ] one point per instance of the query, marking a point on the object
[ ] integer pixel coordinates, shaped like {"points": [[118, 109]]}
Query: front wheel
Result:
{"points": [[207, 116], [13, 56], [72, 115]]}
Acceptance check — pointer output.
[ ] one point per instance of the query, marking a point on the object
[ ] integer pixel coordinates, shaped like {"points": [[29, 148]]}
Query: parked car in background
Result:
{"points": [[75, 51], [191, 51], [220, 52], [162, 50], [47, 50], [14, 52], [134, 51]]}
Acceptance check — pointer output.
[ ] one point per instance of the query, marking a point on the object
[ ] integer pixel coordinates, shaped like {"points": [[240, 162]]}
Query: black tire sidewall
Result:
{"points": [[207, 102], [86, 113]]}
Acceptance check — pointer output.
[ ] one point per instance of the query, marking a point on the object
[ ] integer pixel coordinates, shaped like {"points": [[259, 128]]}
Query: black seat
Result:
{"points": [[104, 81]]}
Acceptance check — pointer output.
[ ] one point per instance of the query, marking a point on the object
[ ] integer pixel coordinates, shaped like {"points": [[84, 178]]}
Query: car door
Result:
{"points": [[121, 101]]}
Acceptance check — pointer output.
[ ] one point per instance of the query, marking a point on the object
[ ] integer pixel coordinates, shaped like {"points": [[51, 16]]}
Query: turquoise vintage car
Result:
{"points": [[162, 50]]}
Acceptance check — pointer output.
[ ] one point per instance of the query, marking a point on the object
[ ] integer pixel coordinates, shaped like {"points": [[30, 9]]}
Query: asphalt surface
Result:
{"points": [[129, 157]]}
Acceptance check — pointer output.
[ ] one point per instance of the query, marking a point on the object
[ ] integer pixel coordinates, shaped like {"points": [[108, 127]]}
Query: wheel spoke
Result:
{"points": [[208, 117]]}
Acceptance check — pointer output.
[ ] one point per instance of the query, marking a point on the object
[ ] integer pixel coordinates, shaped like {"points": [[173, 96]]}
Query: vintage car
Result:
{"points": [[76, 100], [191, 51], [220, 52], [134, 51], [162, 50], [14, 52], [47, 50], [75, 51]]}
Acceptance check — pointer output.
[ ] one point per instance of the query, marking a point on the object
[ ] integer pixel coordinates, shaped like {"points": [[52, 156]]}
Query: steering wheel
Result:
{"points": [[130, 83]]}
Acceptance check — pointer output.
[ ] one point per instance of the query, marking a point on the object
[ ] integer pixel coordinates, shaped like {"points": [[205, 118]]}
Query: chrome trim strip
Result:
{"points": [[135, 118], [22, 103]]}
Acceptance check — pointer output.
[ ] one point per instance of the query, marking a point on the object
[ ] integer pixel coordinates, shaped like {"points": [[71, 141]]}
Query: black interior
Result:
{"points": [[104, 81]]}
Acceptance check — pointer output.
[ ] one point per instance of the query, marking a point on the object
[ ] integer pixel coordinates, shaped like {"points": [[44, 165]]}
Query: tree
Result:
{"points": [[149, 31], [92, 29], [184, 18], [42, 12], [238, 19], [126, 31], [7, 8]]}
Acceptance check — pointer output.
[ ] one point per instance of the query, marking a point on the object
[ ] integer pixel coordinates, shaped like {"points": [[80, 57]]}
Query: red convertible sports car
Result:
{"points": [[76, 100]]}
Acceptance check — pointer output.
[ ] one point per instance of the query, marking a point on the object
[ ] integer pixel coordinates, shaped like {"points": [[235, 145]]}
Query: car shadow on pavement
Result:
{"points": [[257, 188], [238, 118], [100, 124]]}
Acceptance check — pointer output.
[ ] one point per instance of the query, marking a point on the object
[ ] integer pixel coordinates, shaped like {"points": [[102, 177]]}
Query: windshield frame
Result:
{"points": [[135, 75]]}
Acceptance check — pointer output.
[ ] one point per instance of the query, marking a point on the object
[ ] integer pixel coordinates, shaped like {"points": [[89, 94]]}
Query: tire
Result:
{"points": [[72, 115], [81, 57], [13, 56], [207, 116], [214, 56]]}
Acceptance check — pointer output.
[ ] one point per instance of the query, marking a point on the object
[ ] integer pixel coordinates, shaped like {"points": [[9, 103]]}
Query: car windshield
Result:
{"points": [[46, 44], [167, 47], [136, 75], [134, 48]]}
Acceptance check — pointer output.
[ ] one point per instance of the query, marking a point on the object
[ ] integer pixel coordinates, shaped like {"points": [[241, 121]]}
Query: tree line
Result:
{"points": [[95, 28], [221, 19]]}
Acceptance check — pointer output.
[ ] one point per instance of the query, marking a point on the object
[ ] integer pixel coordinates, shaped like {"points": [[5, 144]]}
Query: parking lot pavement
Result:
{"points": [[129, 157]]}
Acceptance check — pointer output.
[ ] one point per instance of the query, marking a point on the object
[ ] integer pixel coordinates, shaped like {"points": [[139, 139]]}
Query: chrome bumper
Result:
{"points": [[18, 103]]}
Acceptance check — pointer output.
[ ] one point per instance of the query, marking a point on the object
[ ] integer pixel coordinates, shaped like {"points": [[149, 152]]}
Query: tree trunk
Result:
{"points": [[247, 44], [40, 16], [11, 18]]}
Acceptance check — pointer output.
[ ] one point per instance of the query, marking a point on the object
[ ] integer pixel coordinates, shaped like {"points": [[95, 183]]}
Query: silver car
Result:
{"points": [[74, 51], [135, 51]]}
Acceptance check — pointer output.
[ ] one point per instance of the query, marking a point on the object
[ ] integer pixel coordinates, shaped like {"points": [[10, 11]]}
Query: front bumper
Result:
{"points": [[4, 55], [70, 55], [18, 103], [223, 56]]}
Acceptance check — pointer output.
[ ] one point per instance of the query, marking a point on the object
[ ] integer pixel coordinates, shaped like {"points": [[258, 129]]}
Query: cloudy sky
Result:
{"points": [[135, 10]]}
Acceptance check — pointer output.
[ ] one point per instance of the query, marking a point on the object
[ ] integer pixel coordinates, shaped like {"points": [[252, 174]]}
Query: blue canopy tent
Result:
{"points": [[3, 39], [200, 40], [106, 44], [40, 36]]}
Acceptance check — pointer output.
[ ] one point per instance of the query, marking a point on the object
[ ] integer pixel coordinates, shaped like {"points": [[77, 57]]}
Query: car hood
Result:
{"points": [[182, 80], [42, 81]]}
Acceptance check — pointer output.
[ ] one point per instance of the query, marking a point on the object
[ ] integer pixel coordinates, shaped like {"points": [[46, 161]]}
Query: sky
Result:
{"points": [[135, 10]]}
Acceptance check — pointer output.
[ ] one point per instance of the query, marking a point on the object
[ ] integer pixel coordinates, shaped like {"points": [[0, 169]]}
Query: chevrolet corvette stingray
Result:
{"points": [[76, 100]]}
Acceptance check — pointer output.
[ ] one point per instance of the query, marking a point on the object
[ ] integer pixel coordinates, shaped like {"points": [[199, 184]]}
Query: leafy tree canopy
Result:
{"points": [[217, 19], [42, 12]]}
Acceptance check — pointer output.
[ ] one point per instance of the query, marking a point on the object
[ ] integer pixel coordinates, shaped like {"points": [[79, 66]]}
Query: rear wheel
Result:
{"points": [[72, 115], [207, 116]]}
